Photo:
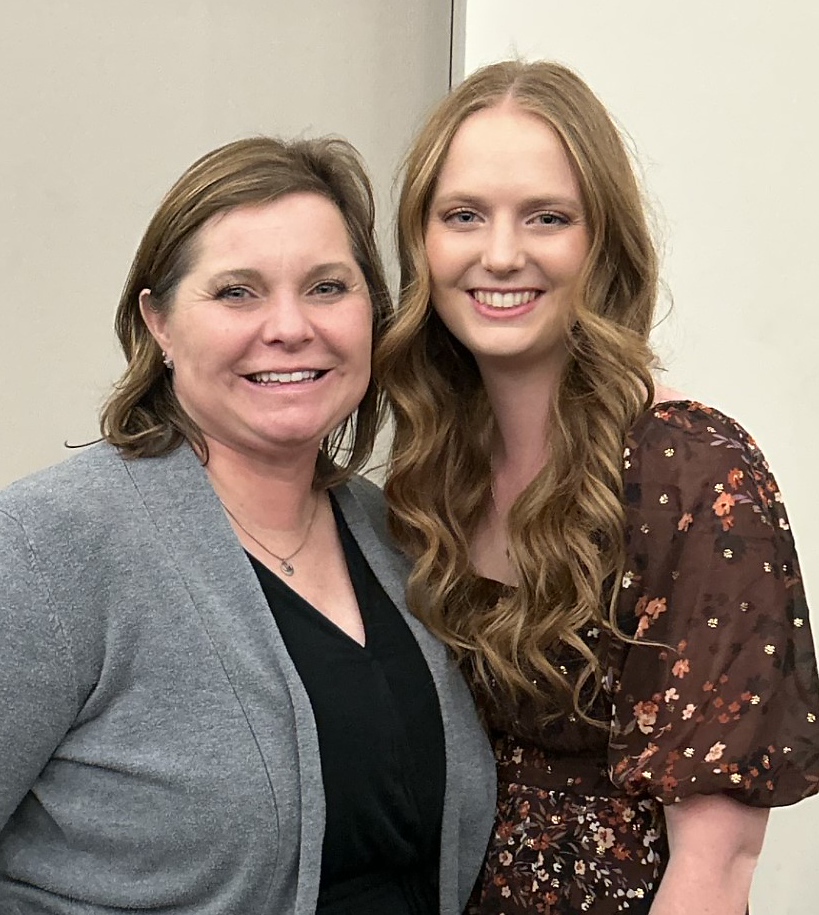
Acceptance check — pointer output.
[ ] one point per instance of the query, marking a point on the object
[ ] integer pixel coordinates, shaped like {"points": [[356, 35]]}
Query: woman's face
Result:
{"points": [[270, 332], [506, 239]]}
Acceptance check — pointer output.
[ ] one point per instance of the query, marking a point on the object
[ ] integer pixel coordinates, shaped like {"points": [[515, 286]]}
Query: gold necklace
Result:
{"points": [[284, 561], [500, 517], [492, 494]]}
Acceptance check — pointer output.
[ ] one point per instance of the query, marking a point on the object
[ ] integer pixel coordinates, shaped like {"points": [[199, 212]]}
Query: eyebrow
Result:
{"points": [[531, 203], [251, 275], [330, 267], [240, 273]]}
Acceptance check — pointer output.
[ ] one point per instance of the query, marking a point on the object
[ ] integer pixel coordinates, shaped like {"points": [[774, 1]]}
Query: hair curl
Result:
{"points": [[566, 529], [143, 417]]}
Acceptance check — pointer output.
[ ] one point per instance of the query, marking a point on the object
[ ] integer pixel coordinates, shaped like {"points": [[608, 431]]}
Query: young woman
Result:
{"points": [[615, 570]]}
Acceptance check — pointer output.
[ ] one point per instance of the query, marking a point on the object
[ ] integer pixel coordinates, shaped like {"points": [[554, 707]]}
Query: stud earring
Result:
{"points": [[167, 361]]}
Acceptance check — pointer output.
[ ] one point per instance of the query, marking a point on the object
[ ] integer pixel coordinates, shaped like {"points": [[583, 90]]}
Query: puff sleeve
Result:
{"points": [[719, 693]]}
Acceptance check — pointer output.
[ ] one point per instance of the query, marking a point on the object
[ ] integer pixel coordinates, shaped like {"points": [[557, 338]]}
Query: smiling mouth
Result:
{"points": [[494, 299], [282, 378]]}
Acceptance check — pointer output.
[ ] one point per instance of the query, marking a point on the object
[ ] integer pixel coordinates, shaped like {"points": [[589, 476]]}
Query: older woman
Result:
{"points": [[617, 575], [214, 700]]}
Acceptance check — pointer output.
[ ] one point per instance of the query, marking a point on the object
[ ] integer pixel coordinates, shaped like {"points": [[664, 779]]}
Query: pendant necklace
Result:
{"points": [[285, 564]]}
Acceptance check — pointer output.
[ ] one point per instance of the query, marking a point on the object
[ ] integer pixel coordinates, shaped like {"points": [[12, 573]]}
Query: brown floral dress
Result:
{"points": [[726, 702]]}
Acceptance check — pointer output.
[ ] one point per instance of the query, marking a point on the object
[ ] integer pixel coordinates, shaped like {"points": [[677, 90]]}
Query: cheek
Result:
{"points": [[200, 333], [442, 258], [357, 333], [576, 255]]}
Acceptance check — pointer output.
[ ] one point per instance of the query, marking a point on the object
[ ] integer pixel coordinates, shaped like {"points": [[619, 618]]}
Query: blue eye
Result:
{"points": [[461, 217], [330, 288], [550, 219], [233, 293]]}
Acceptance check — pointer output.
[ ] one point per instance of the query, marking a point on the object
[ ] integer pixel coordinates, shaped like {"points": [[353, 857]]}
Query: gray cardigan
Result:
{"points": [[157, 748]]}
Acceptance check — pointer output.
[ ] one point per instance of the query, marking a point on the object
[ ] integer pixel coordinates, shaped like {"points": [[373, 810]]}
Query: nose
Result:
{"points": [[286, 321], [503, 251]]}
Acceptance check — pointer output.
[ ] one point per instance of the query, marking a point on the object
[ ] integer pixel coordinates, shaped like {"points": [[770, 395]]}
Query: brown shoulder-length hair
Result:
{"points": [[566, 530], [143, 417]]}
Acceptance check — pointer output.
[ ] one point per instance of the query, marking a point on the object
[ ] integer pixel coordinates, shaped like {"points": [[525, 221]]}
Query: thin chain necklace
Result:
{"points": [[500, 517], [492, 494], [284, 561]]}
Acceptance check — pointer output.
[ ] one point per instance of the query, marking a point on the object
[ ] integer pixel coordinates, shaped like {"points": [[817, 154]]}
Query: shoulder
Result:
{"points": [[98, 497], [687, 453], [57, 528], [365, 510], [369, 497], [72, 482], [694, 477], [64, 520], [692, 425], [367, 492]]}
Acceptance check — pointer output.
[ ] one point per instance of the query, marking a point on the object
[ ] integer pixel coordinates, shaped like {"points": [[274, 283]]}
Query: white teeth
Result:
{"points": [[283, 377], [504, 299]]}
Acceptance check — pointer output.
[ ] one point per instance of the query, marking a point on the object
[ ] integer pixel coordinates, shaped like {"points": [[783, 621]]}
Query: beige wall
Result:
{"points": [[722, 102], [106, 102]]}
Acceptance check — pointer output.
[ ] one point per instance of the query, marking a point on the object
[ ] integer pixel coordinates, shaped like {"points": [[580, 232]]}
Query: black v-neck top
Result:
{"points": [[381, 743]]}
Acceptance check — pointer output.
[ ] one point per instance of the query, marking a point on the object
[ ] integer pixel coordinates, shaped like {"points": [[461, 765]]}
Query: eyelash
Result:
{"points": [[339, 287], [224, 292], [452, 217], [556, 218]]}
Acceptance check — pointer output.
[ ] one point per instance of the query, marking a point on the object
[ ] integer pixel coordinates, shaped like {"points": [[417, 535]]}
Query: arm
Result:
{"points": [[37, 689], [714, 844], [725, 708]]}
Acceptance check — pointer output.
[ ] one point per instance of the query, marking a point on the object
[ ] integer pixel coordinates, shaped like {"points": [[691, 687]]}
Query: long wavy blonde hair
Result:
{"points": [[566, 529]]}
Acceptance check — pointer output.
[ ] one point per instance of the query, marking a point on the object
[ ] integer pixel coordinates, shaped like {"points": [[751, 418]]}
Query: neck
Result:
{"points": [[268, 495], [521, 404]]}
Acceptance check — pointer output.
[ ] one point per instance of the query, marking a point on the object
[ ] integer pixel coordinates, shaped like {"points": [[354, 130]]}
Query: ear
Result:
{"points": [[156, 321]]}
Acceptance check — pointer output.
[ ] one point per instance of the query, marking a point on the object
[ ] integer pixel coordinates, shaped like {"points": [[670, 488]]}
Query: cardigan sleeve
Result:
{"points": [[38, 693]]}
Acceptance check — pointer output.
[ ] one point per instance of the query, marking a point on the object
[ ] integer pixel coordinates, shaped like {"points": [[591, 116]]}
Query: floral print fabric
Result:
{"points": [[718, 694]]}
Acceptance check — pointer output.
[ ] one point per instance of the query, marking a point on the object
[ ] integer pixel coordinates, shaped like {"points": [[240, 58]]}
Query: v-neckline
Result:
{"points": [[347, 545]]}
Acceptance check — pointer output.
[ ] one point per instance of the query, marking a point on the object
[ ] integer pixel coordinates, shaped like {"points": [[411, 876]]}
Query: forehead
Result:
{"points": [[296, 223], [507, 148]]}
